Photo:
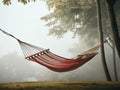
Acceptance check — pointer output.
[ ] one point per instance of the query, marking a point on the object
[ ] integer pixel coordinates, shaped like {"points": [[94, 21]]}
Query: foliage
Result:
{"points": [[76, 16], [8, 2]]}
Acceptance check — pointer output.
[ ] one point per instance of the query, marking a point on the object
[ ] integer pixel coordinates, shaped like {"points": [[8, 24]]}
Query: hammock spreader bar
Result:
{"points": [[52, 61]]}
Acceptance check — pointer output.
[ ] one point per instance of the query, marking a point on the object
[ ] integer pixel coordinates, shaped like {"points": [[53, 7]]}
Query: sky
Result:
{"points": [[23, 21]]}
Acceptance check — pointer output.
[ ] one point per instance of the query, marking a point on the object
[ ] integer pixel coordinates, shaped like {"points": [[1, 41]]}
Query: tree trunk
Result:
{"points": [[114, 63], [108, 78], [113, 23], [114, 58]]}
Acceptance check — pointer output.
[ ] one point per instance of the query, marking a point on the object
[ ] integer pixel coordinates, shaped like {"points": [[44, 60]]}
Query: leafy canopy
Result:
{"points": [[77, 16], [69, 15], [8, 2]]}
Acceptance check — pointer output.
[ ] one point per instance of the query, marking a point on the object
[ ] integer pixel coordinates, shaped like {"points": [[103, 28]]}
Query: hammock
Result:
{"points": [[52, 61]]}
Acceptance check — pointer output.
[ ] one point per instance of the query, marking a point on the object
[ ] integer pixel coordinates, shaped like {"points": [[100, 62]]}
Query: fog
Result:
{"points": [[14, 68], [24, 22]]}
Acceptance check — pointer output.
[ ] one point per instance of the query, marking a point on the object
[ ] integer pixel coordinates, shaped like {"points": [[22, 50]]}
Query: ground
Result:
{"points": [[61, 85]]}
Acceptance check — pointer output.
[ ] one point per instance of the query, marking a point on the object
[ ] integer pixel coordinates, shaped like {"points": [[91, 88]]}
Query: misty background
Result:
{"points": [[24, 22]]}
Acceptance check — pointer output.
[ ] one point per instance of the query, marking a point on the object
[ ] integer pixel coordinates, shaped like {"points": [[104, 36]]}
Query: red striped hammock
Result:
{"points": [[52, 61]]}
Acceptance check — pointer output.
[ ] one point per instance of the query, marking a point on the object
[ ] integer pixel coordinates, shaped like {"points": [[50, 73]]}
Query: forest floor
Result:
{"points": [[61, 85]]}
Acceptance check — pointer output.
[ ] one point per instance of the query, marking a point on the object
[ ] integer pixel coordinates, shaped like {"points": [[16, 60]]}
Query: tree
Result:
{"points": [[113, 23], [79, 14], [102, 41], [114, 62]]}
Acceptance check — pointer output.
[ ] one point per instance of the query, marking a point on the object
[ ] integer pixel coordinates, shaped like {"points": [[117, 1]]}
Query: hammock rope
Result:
{"points": [[53, 61], [29, 49]]}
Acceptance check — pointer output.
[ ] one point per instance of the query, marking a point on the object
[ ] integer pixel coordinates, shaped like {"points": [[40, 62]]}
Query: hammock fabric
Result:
{"points": [[52, 61]]}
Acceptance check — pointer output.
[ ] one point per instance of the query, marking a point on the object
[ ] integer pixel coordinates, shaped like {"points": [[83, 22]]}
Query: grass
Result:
{"points": [[61, 85]]}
